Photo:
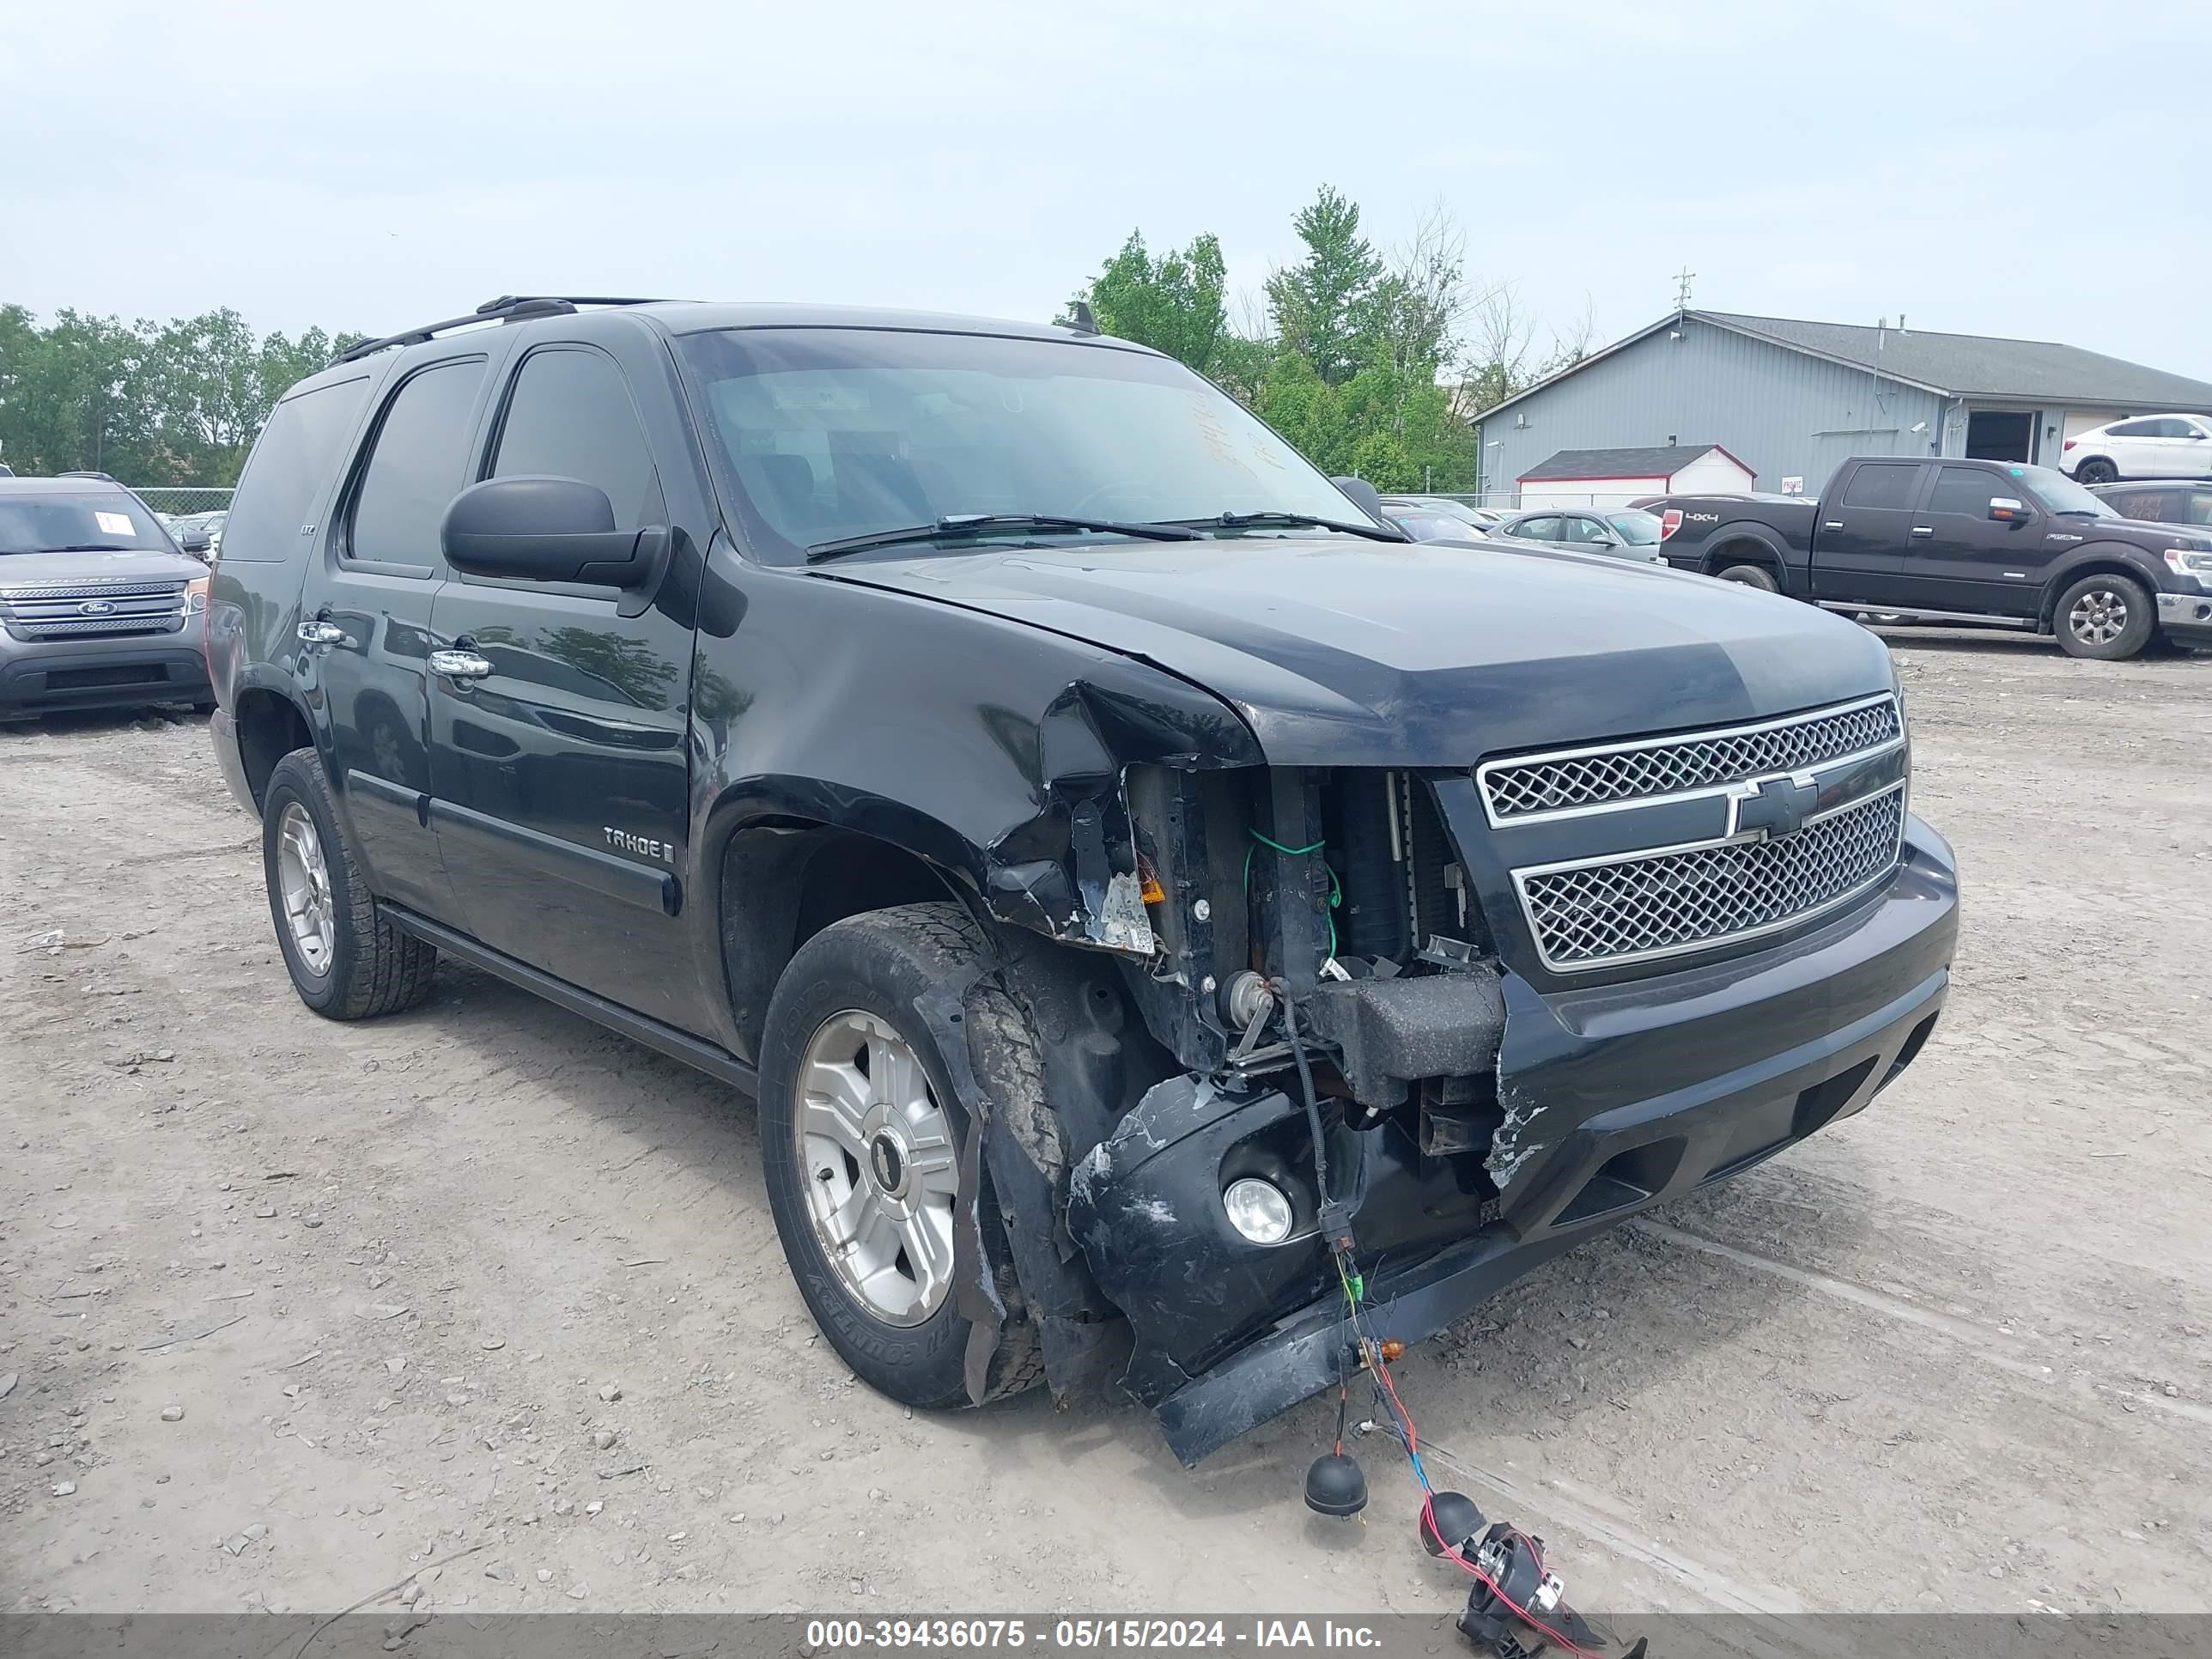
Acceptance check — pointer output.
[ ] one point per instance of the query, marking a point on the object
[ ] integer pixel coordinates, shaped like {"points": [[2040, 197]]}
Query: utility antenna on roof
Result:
{"points": [[1682, 287], [1083, 322]]}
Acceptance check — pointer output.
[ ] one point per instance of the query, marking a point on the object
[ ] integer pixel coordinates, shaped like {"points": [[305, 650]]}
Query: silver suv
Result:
{"points": [[99, 608]]}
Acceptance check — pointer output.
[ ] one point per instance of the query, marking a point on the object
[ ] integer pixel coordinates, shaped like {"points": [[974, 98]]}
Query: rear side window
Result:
{"points": [[1963, 489], [1545, 528], [418, 466], [2162, 505], [1882, 485], [289, 469], [2133, 430], [570, 416]]}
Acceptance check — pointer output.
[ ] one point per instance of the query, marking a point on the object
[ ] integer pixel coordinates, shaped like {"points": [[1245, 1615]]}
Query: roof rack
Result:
{"points": [[507, 308]]}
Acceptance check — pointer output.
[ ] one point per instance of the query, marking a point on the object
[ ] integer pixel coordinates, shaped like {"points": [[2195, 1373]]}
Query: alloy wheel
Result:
{"points": [[877, 1157], [304, 875], [2098, 616]]}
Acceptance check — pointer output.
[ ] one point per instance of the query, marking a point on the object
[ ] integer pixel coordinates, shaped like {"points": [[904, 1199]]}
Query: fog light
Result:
{"points": [[1258, 1210]]}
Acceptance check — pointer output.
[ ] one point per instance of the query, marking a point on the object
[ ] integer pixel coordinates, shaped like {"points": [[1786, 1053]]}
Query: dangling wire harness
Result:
{"points": [[1376, 1355]]}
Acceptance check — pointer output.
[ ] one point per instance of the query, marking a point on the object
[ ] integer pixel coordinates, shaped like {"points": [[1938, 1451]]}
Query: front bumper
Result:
{"points": [[1614, 1099], [117, 674], [2186, 619]]}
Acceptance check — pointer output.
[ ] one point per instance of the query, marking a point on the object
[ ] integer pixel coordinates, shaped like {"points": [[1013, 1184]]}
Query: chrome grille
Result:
{"points": [[100, 627], [92, 587], [1605, 912], [54, 610], [1622, 774]]}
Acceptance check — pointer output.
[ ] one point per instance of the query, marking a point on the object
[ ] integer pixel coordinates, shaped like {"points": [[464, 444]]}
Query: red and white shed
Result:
{"points": [[1613, 478]]}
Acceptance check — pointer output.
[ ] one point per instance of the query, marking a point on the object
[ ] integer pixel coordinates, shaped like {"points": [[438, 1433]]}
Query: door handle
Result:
{"points": [[459, 665], [321, 633], [1831, 523], [1923, 530]]}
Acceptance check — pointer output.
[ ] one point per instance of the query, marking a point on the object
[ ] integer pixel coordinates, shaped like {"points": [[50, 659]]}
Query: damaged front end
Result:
{"points": [[1290, 949]]}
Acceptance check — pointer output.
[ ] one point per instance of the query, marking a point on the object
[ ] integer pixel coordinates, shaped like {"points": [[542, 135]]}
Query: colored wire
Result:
{"points": [[1451, 1553], [1410, 1438], [1335, 886]]}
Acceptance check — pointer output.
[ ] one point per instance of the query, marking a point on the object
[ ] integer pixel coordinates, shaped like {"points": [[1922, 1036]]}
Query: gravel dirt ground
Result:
{"points": [[293, 1311]]}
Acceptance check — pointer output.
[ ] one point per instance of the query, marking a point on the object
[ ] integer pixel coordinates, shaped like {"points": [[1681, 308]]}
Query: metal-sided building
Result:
{"points": [[1791, 399]]}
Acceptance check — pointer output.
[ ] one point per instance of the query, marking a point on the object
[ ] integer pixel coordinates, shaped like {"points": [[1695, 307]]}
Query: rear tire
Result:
{"points": [[1751, 575], [853, 1155], [2103, 618], [2096, 471], [346, 961]]}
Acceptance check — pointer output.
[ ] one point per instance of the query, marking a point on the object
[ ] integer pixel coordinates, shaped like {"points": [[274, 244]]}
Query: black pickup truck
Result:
{"points": [[1982, 542], [1174, 927]]}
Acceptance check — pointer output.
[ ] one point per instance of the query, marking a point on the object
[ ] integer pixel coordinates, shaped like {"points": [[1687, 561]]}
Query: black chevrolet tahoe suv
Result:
{"points": [[1990, 543], [1174, 927]]}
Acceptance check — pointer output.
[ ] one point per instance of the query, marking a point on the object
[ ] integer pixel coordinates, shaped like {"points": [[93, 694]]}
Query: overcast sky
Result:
{"points": [[372, 167]]}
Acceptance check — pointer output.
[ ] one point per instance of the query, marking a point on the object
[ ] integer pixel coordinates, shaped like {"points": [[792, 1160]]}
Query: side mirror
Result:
{"points": [[546, 530], [2005, 510], [195, 541], [1364, 496]]}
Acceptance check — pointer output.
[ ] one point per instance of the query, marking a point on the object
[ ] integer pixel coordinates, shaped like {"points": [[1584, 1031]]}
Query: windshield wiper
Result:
{"points": [[976, 524], [1292, 521], [96, 547]]}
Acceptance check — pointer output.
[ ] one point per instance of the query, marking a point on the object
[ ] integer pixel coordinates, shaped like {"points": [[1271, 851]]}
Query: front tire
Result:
{"points": [[346, 961], [1751, 575], [860, 1136], [2096, 471], [2105, 618]]}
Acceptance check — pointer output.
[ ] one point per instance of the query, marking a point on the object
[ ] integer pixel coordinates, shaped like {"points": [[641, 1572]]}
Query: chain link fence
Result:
{"points": [[184, 501]]}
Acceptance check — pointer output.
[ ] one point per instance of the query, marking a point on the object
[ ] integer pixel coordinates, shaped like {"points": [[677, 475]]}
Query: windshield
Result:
{"points": [[2060, 493], [1637, 528], [828, 433], [95, 520], [1426, 526]]}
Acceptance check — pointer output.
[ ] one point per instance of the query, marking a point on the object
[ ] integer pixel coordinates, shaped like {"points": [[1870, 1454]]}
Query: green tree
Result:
{"points": [[76, 398], [179, 402], [202, 377], [1172, 304], [1322, 304]]}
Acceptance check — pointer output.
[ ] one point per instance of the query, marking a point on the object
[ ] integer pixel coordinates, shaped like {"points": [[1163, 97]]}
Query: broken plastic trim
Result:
{"points": [[974, 1288]]}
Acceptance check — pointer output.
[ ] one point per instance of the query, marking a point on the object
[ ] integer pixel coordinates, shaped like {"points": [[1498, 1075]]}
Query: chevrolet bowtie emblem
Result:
{"points": [[1772, 807]]}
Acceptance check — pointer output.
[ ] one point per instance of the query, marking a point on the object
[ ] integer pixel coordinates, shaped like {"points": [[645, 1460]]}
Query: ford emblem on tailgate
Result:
{"points": [[96, 608]]}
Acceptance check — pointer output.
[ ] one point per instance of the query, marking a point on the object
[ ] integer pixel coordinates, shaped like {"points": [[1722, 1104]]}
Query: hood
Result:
{"points": [[2149, 530], [1339, 653], [137, 564]]}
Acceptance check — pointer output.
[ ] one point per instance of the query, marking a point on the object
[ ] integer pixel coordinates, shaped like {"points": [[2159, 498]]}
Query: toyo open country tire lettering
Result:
{"points": [[860, 1134], [2105, 618], [345, 960]]}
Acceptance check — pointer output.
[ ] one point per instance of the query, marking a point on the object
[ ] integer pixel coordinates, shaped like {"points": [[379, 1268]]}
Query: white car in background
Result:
{"points": [[2142, 446]]}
